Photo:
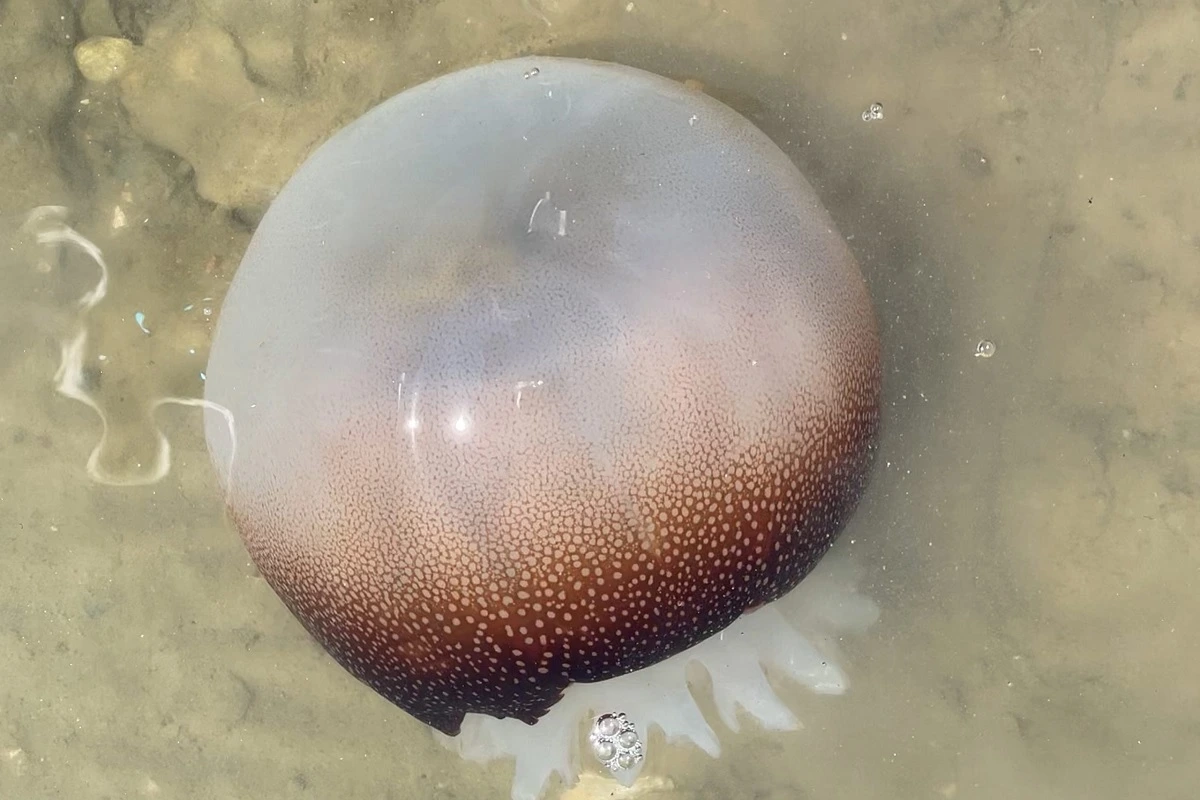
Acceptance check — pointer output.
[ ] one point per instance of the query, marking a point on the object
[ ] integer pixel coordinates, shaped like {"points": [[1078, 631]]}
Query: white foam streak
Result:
{"points": [[48, 226]]}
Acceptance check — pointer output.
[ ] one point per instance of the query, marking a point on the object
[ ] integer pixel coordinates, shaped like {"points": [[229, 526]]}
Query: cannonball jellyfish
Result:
{"points": [[539, 377]]}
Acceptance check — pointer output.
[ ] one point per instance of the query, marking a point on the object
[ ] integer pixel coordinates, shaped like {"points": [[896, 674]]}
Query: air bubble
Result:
{"points": [[616, 743], [874, 112]]}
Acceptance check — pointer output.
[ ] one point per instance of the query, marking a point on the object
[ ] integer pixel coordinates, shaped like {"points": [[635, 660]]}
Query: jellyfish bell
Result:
{"points": [[546, 382]]}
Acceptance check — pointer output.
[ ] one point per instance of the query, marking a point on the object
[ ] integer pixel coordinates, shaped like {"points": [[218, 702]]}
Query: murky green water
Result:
{"points": [[1031, 532]]}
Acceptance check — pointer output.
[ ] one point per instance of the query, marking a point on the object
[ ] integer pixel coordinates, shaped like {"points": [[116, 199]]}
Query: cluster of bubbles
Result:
{"points": [[615, 742]]}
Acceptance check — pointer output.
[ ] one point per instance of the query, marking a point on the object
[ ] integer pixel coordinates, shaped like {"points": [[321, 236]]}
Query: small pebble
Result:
{"points": [[102, 59]]}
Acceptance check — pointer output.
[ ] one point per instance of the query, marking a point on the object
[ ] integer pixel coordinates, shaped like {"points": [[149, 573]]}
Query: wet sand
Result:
{"points": [[1030, 532]]}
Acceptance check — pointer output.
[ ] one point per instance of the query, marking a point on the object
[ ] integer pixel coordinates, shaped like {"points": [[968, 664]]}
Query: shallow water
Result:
{"points": [[1030, 529]]}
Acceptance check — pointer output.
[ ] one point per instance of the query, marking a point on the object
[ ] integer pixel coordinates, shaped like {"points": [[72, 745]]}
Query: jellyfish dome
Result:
{"points": [[549, 380]]}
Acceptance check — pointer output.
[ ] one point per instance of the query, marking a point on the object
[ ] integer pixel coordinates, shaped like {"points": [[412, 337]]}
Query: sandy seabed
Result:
{"points": [[1030, 534]]}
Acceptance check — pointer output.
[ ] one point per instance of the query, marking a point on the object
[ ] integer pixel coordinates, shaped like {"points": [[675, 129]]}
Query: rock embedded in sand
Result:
{"points": [[103, 59], [190, 93]]}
